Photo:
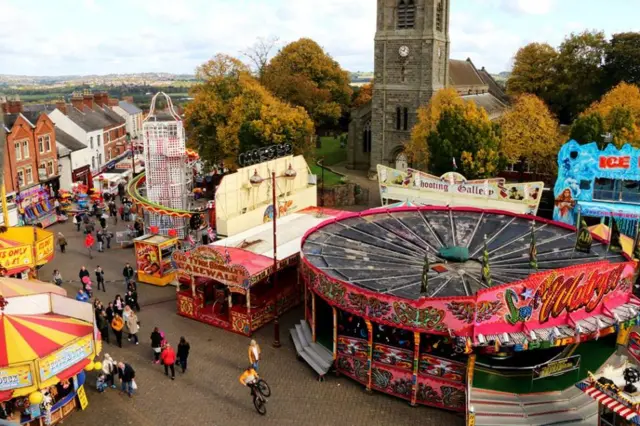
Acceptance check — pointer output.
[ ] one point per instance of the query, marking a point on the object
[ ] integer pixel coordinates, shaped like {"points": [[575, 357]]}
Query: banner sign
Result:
{"points": [[44, 250], [65, 358], [16, 257], [205, 261], [15, 377], [634, 346], [454, 189], [557, 367], [263, 154]]}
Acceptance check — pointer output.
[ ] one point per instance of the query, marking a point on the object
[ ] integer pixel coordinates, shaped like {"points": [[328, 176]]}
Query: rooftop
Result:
{"points": [[68, 141], [129, 108]]}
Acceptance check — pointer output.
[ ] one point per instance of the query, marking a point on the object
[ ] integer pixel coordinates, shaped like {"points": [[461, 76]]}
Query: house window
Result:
{"points": [[18, 151], [99, 160], [366, 138], [406, 14], [93, 162], [50, 168], [398, 118], [47, 143], [98, 140], [20, 177], [29, 173], [511, 167], [25, 149], [405, 124], [41, 144], [91, 142]]}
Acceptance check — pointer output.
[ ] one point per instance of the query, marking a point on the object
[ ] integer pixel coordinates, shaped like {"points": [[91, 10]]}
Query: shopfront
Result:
{"points": [[83, 176]]}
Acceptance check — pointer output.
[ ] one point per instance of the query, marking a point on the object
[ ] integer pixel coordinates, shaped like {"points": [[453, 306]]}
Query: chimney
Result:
{"points": [[12, 107], [101, 98], [113, 102], [77, 101], [61, 106], [128, 99], [88, 99]]}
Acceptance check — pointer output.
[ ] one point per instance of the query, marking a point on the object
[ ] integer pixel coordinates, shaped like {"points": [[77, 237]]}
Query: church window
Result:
{"points": [[405, 119], [398, 118], [406, 14], [439, 16], [366, 137], [403, 74]]}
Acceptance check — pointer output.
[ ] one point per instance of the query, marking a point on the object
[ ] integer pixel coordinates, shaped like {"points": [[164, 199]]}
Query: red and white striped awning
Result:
{"points": [[610, 403]]}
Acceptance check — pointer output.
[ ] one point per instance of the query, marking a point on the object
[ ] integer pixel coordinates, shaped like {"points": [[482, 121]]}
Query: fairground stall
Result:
{"points": [[36, 207], [47, 342], [466, 309], [23, 249], [153, 259], [230, 283], [598, 185], [452, 189]]}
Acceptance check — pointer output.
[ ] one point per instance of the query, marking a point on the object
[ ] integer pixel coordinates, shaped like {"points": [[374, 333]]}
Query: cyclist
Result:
{"points": [[249, 377]]}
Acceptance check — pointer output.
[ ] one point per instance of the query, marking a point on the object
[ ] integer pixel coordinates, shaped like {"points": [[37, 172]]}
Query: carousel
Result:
{"points": [[437, 305], [47, 342]]}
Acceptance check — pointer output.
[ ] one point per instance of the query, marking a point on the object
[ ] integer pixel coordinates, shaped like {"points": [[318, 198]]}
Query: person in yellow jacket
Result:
{"points": [[254, 354]]}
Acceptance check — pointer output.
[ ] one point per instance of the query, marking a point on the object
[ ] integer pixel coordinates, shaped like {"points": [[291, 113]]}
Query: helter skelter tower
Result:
{"points": [[169, 177]]}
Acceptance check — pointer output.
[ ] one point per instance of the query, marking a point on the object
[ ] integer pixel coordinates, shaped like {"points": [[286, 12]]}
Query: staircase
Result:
{"points": [[317, 356], [570, 406]]}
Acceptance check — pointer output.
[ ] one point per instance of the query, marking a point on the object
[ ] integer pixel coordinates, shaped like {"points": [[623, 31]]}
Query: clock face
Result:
{"points": [[403, 51]]}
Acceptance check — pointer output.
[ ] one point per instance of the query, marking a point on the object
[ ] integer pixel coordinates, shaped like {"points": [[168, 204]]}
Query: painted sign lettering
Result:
{"points": [[614, 162], [265, 153], [208, 262]]}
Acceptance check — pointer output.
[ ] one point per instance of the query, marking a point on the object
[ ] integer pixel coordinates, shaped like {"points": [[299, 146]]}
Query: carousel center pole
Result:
{"points": [[276, 322]]}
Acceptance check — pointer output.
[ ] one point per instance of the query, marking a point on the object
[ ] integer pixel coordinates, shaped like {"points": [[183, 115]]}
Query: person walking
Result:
{"points": [[131, 299], [118, 305], [88, 243], [100, 239], [100, 278], [89, 227], [127, 272], [127, 374], [117, 325], [77, 219], [254, 354], [57, 278], [110, 312], [109, 368], [108, 235], [103, 220], [82, 296], [156, 342], [62, 242], [168, 357], [83, 273], [103, 325], [133, 325], [183, 353]]}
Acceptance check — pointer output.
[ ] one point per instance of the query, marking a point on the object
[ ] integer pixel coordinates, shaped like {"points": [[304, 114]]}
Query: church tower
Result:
{"points": [[411, 63]]}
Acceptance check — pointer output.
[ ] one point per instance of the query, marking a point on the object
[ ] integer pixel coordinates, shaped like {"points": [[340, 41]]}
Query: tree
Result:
{"points": [[303, 74], [534, 71], [528, 131], [417, 149], [363, 95], [579, 73], [622, 59], [259, 54], [620, 110], [588, 128], [232, 112]]}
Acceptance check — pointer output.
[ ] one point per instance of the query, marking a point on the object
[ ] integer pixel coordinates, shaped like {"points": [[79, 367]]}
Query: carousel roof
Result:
{"points": [[11, 287], [383, 251], [24, 338]]}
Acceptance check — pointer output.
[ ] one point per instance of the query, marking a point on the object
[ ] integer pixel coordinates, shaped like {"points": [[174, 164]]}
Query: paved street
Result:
{"points": [[209, 393]]}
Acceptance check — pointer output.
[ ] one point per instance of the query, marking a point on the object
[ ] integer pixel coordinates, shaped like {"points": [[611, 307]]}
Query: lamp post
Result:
{"points": [[133, 156], [276, 322], [321, 161]]}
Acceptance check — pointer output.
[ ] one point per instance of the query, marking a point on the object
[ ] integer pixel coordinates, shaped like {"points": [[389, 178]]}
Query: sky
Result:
{"points": [[80, 37]]}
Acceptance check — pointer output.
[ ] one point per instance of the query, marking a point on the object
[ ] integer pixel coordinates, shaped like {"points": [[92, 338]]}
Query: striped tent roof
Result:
{"points": [[11, 287], [603, 231], [24, 338]]}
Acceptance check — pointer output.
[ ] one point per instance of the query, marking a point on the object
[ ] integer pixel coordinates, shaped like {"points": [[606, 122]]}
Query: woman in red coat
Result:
{"points": [[89, 241], [168, 357]]}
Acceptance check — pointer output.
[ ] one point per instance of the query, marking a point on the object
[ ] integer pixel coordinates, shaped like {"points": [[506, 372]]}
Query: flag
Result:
{"points": [[533, 250], [584, 239], [455, 166], [614, 237], [486, 270], [424, 283]]}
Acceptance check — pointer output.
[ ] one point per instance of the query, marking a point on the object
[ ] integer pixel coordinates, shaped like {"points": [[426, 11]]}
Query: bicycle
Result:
{"points": [[260, 391]]}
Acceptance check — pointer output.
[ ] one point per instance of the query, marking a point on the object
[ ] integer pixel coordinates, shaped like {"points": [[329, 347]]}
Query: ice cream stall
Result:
{"points": [[153, 259]]}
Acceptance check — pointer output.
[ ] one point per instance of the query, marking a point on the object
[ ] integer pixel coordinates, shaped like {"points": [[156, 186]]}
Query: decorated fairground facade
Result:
{"points": [[467, 309], [602, 184]]}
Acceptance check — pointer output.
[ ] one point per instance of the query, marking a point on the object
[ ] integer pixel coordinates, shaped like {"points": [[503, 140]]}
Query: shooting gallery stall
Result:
{"points": [[243, 199], [453, 189], [47, 342], [153, 259], [24, 248]]}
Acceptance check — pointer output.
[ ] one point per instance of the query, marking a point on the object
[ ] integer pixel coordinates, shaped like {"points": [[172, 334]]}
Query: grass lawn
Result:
{"points": [[331, 151], [593, 355], [330, 178]]}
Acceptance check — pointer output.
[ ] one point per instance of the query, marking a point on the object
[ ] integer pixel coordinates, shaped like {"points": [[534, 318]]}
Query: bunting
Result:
{"points": [[615, 245], [486, 270], [533, 250], [424, 283], [584, 239]]}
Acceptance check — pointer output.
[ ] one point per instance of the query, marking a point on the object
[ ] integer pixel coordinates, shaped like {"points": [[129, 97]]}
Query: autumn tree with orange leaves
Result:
{"points": [[232, 112]]}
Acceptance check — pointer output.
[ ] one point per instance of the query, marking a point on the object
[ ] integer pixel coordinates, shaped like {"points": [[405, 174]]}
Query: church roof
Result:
{"points": [[494, 106], [464, 73], [494, 87]]}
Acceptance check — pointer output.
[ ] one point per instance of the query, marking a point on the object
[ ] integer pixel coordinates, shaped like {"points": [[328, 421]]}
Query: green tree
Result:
{"points": [[303, 74], [534, 71], [232, 112], [622, 59], [588, 128], [620, 110]]}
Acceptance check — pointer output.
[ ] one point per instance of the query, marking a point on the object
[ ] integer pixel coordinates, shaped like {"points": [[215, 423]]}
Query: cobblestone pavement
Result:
{"points": [[209, 393]]}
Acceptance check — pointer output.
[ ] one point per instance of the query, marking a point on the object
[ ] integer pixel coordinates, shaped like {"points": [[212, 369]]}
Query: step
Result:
{"points": [[500, 421], [317, 358], [312, 362], [322, 352], [491, 409], [573, 404], [301, 337], [486, 396], [306, 330], [296, 341]]}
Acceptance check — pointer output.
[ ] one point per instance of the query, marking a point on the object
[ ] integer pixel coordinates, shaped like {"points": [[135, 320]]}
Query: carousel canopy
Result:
{"points": [[12, 287], [604, 232], [25, 338]]}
